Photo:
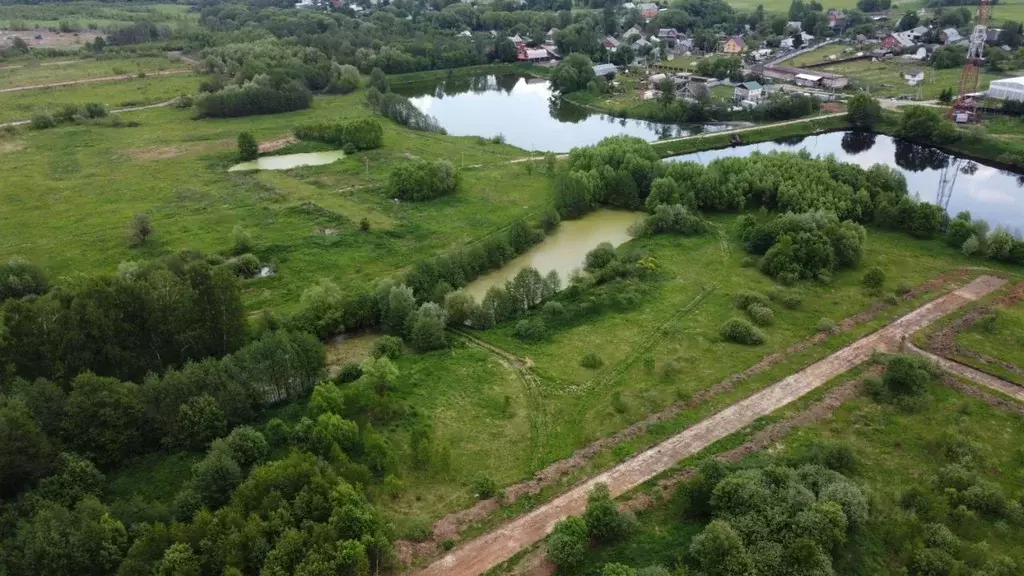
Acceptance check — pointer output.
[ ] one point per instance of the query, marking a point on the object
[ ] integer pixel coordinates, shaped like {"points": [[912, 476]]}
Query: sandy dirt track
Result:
{"points": [[976, 376], [483, 553]]}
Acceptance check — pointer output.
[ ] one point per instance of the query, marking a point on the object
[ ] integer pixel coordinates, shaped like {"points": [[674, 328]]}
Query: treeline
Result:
{"points": [[398, 109], [157, 317], [262, 95], [362, 134]]}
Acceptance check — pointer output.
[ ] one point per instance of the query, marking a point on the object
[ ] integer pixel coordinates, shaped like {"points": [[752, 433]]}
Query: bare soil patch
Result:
{"points": [[277, 144], [175, 150]]}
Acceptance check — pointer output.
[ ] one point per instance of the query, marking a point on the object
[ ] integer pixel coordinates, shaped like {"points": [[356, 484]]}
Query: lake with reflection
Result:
{"points": [[989, 193], [524, 111]]}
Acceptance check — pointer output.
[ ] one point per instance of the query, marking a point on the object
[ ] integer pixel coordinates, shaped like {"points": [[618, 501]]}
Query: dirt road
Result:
{"points": [[976, 376], [91, 80], [114, 111], [483, 553]]}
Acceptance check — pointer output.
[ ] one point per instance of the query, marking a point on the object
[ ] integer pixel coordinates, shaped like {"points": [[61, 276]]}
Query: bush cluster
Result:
{"points": [[361, 134], [252, 98], [423, 180], [740, 331]]}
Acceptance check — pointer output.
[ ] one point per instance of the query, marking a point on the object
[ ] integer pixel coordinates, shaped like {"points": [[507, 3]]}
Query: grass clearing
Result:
{"points": [[91, 180], [885, 78], [22, 105], [894, 450], [821, 55], [34, 72]]}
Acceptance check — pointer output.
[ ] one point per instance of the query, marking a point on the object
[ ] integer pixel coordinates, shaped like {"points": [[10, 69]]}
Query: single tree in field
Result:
{"points": [[140, 229], [863, 111], [248, 149]]}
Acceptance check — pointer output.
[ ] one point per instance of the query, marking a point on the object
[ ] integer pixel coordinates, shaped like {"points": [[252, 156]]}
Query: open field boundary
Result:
{"points": [[485, 552]]}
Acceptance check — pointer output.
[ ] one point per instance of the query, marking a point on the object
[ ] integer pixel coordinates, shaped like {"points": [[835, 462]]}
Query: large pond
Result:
{"points": [[524, 111], [564, 249], [987, 192], [289, 161]]}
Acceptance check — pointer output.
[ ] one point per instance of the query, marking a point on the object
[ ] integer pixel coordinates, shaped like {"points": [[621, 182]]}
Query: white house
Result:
{"points": [[913, 77], [950, 36], [748, 91]]}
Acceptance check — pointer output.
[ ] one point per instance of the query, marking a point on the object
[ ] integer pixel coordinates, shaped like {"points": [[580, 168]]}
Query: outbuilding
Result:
{"points": [[1007, 89]]}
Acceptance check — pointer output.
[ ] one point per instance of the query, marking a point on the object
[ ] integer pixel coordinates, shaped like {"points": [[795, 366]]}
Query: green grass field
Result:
{"points": [[32, 72], [24, 104], [821, 55], [1004, 341], [885, 79], [92, 15], [893, 450], [90, 180]]}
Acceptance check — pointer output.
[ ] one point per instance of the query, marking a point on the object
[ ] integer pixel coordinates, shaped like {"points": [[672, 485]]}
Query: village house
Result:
{"points": [[992, 35], [734, 45], [641, 44], [648, 10], [748, 91], [628, 36], [836, 19], [532, 54], [795, 25], [897, 40], [913, 77], [629, 6], [605, 70], [668, 34], [950, 36], [549, 38], [695, 90], [787, 42], [610, 43]]}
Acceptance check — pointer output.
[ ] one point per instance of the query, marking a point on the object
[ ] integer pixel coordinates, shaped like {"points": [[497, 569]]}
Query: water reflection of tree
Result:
{"points": [[917, 158], [565, 111], [1018, 177], [790, 140], [856, 141]]}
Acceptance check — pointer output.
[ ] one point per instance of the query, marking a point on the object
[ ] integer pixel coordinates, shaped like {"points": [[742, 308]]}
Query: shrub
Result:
{"points": [[244, 266], [350, 372], [248, 149], [531, 329], [67, 113], [94, 110], [483, 487], [42, 122], [874, 279], [671, 218], [761, 315], [827, 325], [416, 528], [139, 230], [908, 375], [748, 262], [988, 323], [740, 331], [788, 298], [599, 257], [568, 542], [344, 79], [747, 298], [605, 524], [423, 180], [971, 246], [591, 360], [549, 221], [390, 346], [427, 328]]}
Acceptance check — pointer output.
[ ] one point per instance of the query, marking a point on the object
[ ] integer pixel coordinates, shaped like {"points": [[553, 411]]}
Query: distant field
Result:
{"points": [[86, 15], [782, 6], [33, 72], [820, 55], [886, 78], [23, 105]]}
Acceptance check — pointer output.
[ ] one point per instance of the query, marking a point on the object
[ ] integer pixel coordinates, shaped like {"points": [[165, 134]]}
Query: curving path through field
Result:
{"points": [[487, 551]]}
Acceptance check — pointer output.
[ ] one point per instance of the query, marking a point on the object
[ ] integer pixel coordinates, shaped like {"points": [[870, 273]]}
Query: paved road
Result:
{"points": [[483, 553], [91, 80], [976, 376]]}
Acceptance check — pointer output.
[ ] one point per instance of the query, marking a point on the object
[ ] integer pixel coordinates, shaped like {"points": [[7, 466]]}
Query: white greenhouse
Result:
{"points": [[1007, 89]]}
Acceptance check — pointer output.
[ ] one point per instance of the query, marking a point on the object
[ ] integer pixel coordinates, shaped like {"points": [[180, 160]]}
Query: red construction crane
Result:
{"points": [[965, 107]]}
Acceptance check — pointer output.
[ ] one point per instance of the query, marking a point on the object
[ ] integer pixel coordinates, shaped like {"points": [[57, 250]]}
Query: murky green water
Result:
{"points": [[564, 249], [287, 161]]}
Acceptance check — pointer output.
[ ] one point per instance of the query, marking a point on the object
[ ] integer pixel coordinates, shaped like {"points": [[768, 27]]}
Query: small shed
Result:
{"points": [[804, 79], [606, 70]]}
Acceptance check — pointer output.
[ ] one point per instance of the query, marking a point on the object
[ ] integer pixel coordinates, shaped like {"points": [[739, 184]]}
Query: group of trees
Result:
{"points": [[398, 109], [261, 95], [362, 134], [810, 245], [423, 179], [573, 74]]}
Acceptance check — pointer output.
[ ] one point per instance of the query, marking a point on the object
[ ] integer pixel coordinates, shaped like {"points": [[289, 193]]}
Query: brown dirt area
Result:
{"points": [[48, 38], [977, 376], [483, 553], [449, 527], [277, 144], [175, 150]]}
